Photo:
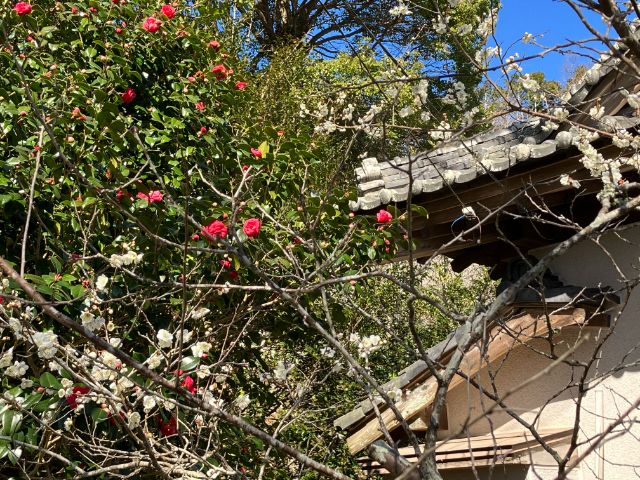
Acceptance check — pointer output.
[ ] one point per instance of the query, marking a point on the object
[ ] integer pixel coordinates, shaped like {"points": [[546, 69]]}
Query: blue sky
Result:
{"points": [[556, 21]]}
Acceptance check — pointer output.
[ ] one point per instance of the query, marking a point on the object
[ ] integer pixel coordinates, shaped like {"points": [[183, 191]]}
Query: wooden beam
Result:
{"points": [[501, 340]]}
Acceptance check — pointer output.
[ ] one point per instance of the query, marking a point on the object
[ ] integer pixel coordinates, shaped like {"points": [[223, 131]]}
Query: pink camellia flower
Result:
{"points": [[128, 96], [252, 227], [203, 130], [214, 44], [168, 11], [154, 196], [214, 230], [195, 237], [220, 72], [280, 133], [226, 264], [256, 152], [22, 8], [241, 85], [383, 216], [200, 106], [151, 24]]}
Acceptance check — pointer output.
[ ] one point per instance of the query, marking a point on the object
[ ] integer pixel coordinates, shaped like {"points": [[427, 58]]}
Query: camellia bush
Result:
{"points": [[162, 252]]}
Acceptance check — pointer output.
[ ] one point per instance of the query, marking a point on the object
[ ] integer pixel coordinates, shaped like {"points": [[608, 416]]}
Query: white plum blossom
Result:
{"points": [[200, 348], [148, 403], [405, 112], [16, 327], [527, 37], [400, 10], [133, 420], [632, 98], [327, 352], [165, 338], [154, 360], [370, 115], [68, 423], [26, 383], [45, 341], [128, 258], [440, 24], [597, 111], [441, 132], [17, 370], [566, 180], [101, 282], [347, 113], [242, 402], [530, 84], [281, 372], [622, 139], [560, 113], [465, 29], [90, 321], [199, 313], [549, 126], [369, 345], [6, 358]]}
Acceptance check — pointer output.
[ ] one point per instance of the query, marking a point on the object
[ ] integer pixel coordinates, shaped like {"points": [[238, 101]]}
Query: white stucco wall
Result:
{"points": [[547, 402]]}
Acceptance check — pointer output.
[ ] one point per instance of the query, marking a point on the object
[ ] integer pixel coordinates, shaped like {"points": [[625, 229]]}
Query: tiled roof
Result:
{"points": [[463, 160]]}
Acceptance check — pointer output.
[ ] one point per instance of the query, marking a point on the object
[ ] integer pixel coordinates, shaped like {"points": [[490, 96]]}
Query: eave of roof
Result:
{"points": [[463, 160]]}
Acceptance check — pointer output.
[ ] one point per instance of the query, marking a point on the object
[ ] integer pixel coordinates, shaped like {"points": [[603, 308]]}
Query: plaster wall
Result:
{"points": [[550, 402]]}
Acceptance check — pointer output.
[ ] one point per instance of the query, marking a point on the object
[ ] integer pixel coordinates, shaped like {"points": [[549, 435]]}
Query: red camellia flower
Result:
{"points": [[22, 8], [220, 72], [72, 399], [214, 44], [190, 384], [256, 152], [169, 428], [200, 106], [151, 24], [120, 194], [252, 227], [168, 11], [233, 275], [203, 130], [384, 217], [74, 10], [215, 229], [226, 264], [118, 30], [195, 237], [241, 85], [128, 96]]}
